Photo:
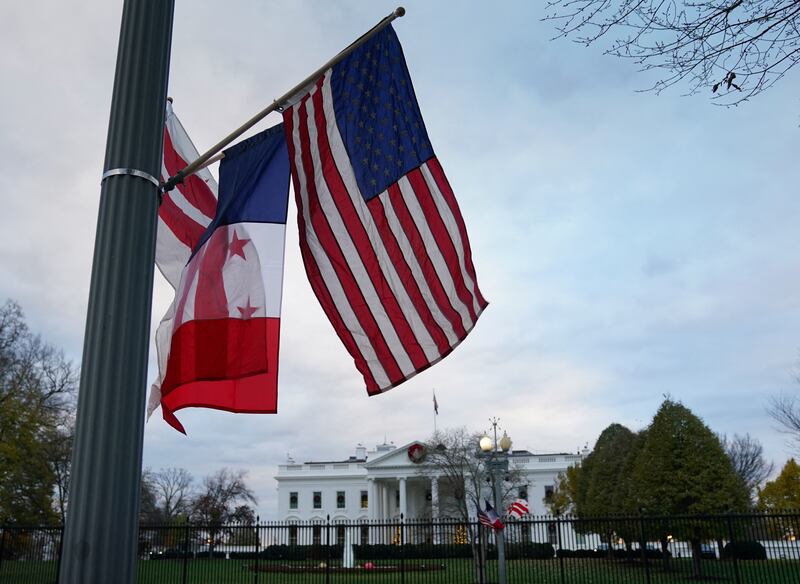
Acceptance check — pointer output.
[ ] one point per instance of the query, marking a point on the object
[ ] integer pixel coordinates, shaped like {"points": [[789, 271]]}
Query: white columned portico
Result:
{"points": [[385, 502], [435, 506], [435, 498], [372, 499], [403, 498]]}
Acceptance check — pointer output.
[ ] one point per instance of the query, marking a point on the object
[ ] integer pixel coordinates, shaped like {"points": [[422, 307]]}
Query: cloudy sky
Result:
{"points": [[631, 245]]}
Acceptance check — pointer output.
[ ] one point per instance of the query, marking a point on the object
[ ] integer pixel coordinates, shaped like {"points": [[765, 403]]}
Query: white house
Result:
{"points": [[385, 482]]}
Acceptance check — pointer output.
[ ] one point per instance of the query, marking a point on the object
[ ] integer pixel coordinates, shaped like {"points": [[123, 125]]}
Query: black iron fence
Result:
{"points": [[757, 549]]}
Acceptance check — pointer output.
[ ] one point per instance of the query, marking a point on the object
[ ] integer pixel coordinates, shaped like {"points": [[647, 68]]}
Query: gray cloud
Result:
{"points": [[630, 244]]}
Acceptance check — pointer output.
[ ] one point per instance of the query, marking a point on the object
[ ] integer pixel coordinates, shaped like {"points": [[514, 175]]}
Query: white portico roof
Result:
{"points": [[393, 463]]}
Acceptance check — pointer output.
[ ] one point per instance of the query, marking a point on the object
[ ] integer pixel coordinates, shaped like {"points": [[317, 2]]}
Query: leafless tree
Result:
{"points": [[216, 504], [785, 410], [747, 456], [59, 448], [173, 490], [452, 458], [736, 48]]}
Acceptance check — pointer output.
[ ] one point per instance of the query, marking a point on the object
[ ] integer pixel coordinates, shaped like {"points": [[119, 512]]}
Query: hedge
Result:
{"points": [[744, 550]]}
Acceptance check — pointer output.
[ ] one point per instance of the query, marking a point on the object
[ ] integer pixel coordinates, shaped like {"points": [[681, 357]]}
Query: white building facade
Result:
{"points": [[384, 483]]}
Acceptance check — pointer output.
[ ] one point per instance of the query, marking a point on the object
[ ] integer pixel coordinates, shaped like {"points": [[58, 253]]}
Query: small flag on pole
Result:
{"points": [[381, 234], [519, 508], [435, 404], [225, 336], [490, 518]]}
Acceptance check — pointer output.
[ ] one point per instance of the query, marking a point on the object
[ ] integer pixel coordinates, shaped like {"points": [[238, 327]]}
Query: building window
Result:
{"points": [[293, 535], [364, 534], [293, 500], [397, 498], [340, 535], [317, 500], [523, 492], [340, 500], [364, 499], [317, 535], [548, 492]]}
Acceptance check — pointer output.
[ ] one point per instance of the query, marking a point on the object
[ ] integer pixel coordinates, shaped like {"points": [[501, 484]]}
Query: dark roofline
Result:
{"points": [[352, 459], [528, 453]]}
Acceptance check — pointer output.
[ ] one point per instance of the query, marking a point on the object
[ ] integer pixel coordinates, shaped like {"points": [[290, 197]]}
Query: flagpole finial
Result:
{"points": [[399, 11]]}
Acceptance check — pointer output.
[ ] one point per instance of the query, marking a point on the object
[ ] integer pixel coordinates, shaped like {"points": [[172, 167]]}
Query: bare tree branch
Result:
{"points": [[736, 48]]}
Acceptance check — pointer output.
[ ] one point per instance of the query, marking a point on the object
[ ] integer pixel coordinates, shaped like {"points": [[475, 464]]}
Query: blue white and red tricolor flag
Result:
{"points": [[490, 518], [225, 335], [382, 238], [519, 508]]}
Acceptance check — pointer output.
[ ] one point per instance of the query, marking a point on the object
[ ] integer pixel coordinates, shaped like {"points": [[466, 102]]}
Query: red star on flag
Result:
{"points": [[236, 246], [247, 311]]}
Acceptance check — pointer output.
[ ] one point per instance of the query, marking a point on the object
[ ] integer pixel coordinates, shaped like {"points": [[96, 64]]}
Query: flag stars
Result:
{"points": [[236, 246], [247, 310]]}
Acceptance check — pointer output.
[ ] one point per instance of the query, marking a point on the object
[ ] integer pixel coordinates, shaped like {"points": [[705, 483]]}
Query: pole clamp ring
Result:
{"points": [[131, 172]]}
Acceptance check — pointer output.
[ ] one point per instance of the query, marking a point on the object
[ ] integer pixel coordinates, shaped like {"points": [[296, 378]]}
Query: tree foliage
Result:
{"points": [[171, 491], [564, 500], [784, 492], [735, 48], [682, 469], [37, 387], [601, 494]]}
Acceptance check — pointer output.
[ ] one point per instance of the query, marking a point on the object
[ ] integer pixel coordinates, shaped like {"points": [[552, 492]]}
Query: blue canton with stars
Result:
{"points": [[378, 115]]}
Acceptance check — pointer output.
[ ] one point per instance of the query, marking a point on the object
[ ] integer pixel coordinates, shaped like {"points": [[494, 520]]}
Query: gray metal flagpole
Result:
{"points": [[100, 538]]}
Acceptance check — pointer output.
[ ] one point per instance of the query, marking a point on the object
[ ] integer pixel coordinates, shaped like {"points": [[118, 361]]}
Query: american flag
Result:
{"points": [[183, 216], [382, 238], [489, 518], [519, 508]]}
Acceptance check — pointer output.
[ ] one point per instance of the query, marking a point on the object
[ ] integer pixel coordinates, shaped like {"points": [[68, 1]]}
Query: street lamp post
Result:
{"points": [[496, 455]]}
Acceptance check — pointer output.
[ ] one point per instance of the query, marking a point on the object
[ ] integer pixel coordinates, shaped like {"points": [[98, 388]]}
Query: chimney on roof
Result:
{"points": [[361, 452]]}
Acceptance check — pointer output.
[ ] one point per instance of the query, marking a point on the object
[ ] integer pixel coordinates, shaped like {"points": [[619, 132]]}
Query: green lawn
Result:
{"points": [[575, 571]]}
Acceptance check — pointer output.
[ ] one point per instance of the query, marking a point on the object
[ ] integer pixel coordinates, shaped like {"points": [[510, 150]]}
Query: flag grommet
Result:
{"points": [[131, 172]]}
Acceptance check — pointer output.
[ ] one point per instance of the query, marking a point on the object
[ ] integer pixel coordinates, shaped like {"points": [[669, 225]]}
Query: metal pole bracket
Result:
{"points": [[131, 172]]}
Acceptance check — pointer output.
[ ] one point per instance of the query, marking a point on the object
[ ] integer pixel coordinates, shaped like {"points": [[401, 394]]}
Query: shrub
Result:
{"points": [[744, 550]]}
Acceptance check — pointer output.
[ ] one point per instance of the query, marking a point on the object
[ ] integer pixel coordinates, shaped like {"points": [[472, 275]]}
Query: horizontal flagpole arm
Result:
{"points": [[206, 158]]}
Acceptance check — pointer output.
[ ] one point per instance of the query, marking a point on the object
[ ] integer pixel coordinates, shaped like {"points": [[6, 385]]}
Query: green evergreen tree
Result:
{"points": [[604, 486], [604, 478], [682, 469]]}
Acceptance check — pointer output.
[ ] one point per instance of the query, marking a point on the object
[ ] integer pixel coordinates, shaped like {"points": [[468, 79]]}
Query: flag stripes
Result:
{"points": [[518, 508], [393, 274]]}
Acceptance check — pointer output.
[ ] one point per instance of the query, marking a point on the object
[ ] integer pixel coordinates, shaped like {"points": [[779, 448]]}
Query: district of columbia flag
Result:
{"points": [[225, 337], [183, 216], [519, 508], [383, 241]]}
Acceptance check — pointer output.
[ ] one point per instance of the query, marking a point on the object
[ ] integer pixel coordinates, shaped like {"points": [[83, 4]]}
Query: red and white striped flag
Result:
{"points": [[382, 238], [183, 216], [519, 508]]}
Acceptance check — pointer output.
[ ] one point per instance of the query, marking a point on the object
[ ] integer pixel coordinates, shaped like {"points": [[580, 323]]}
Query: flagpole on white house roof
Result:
{"points": [[213, 154]]}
